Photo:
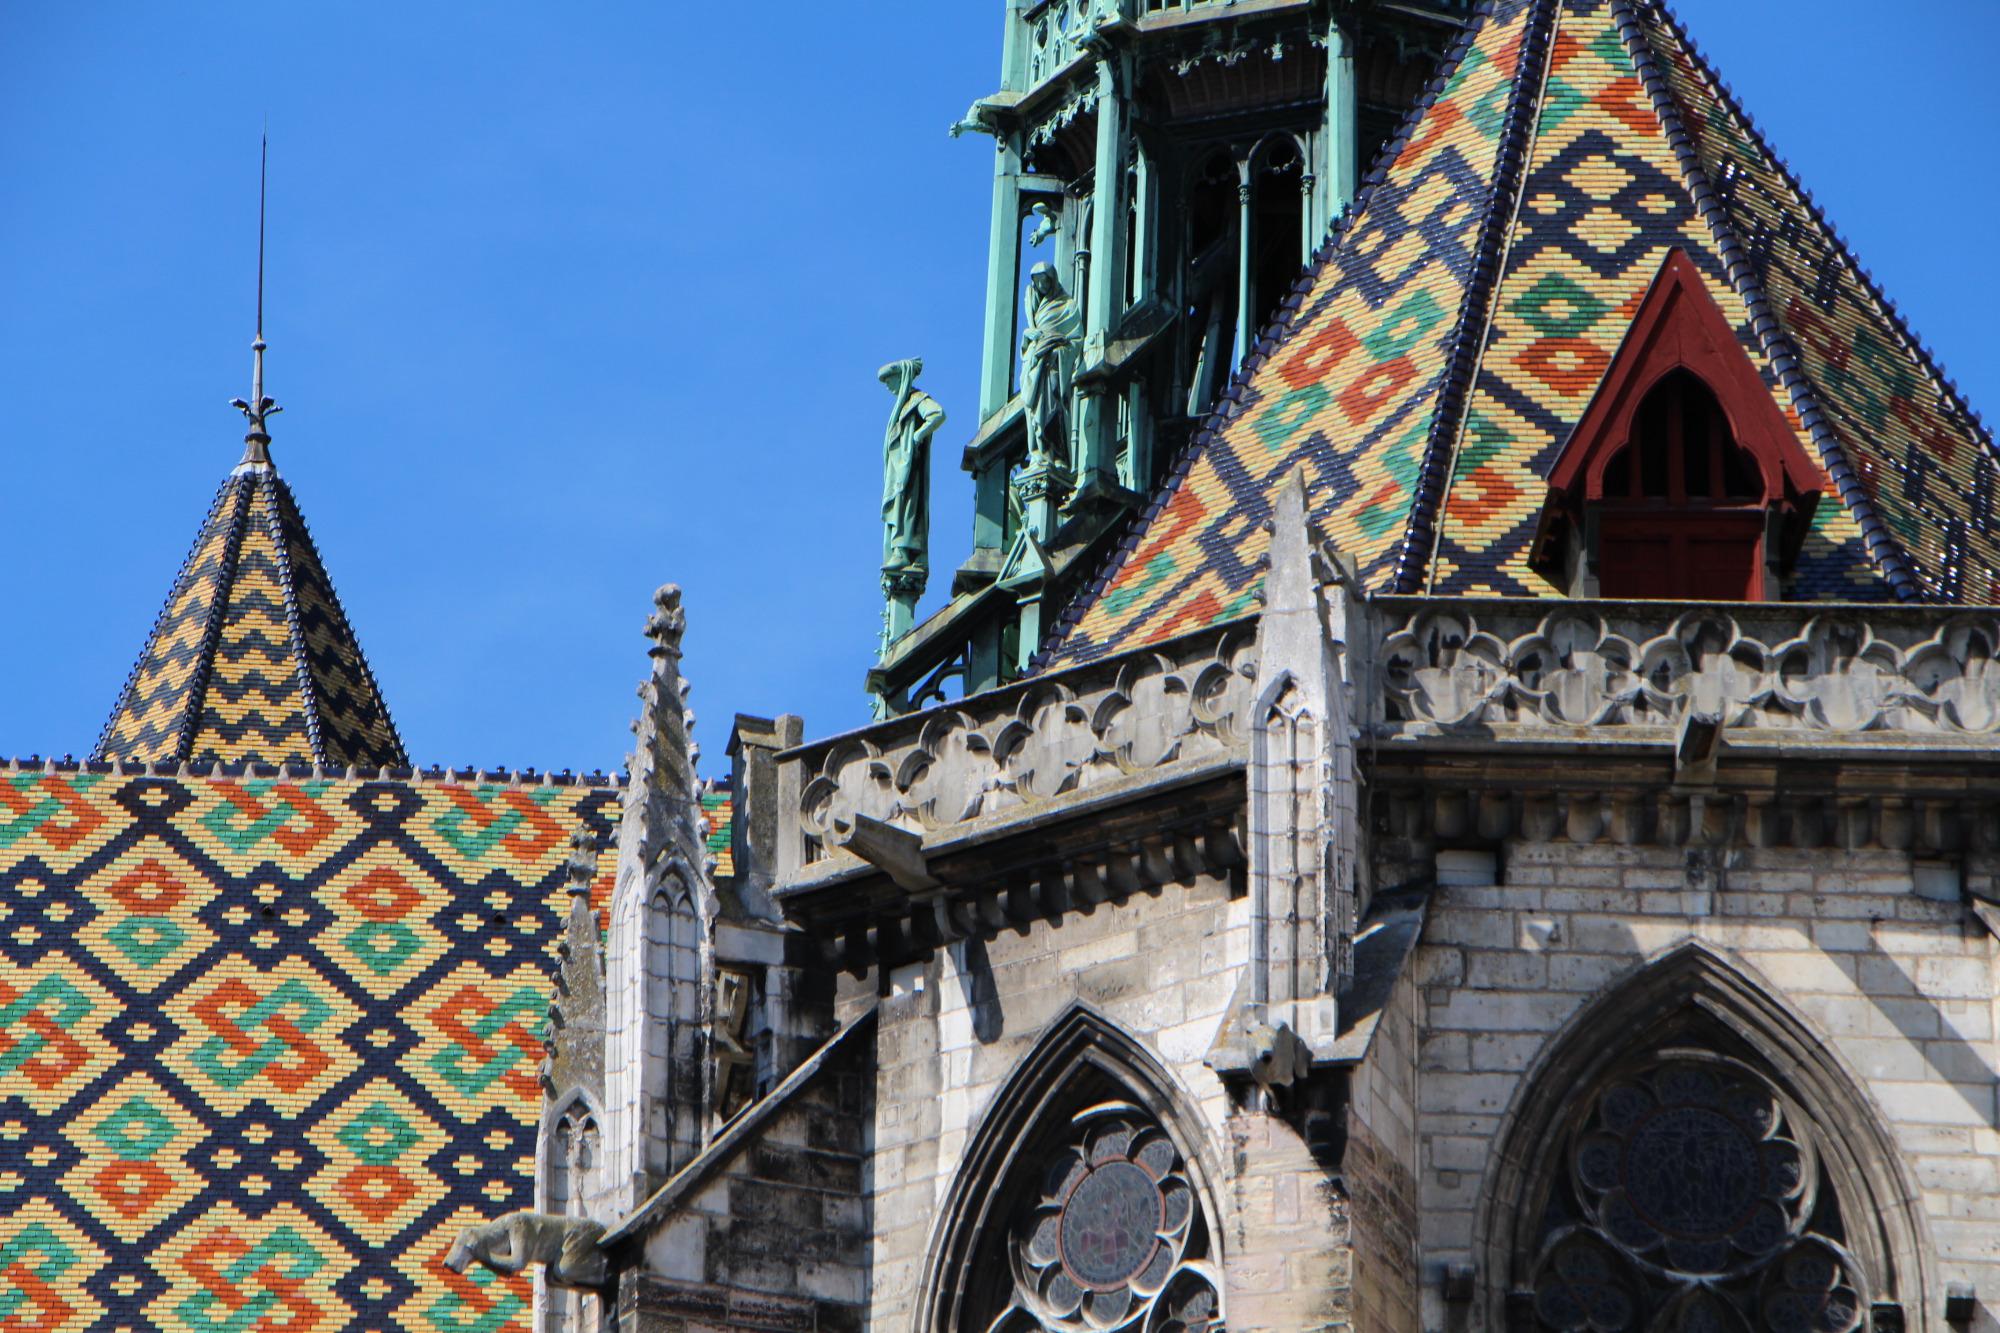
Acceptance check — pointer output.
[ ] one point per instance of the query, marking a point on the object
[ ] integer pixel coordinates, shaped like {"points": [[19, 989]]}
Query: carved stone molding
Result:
{"points": [[1468, 666], [914, 926], [1013, 752], [1022, 803], [1948, 824]]}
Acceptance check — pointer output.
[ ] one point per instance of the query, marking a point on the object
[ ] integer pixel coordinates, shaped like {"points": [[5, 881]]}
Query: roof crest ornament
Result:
{"points": [[257, 442]]}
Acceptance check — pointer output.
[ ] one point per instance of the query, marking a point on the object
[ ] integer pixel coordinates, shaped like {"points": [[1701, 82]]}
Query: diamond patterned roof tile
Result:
{"points": [[1447, 342], [252, 659]]}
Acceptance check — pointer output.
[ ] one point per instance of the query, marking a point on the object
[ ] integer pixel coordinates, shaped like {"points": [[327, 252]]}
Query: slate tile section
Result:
{"points": [[1349, 392], [1602, 204], [1922, 458]]}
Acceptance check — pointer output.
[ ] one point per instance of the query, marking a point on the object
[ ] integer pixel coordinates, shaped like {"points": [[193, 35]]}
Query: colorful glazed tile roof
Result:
{"points": [[718, 807], [252, 659], [1432, 362], [266, 1043]]}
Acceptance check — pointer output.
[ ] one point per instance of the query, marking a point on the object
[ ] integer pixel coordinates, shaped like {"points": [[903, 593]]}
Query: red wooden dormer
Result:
{"points": [[1683, 479]]}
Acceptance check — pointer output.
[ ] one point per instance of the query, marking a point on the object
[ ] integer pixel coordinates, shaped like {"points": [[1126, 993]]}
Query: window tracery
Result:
{"points": [[1111, 1238], [566, 1183], [1690, 1197]]}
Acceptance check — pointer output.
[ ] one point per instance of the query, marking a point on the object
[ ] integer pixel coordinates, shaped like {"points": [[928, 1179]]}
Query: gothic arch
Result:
{"points": [[577, 1112], [1083, 1062], [677, 981], [569, 1168], [1294, 936], [1694, 1000]]}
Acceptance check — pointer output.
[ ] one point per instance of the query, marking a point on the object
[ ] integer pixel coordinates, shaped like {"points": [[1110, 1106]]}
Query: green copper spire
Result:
{"points": [[1163, 170]]}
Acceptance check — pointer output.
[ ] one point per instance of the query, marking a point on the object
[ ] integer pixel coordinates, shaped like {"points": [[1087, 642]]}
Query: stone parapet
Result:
{"points": [[1073, 789], [1598, 670]]}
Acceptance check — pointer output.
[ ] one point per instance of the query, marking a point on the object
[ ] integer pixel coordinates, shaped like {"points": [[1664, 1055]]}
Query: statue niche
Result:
{"points": [[1053, 324]]}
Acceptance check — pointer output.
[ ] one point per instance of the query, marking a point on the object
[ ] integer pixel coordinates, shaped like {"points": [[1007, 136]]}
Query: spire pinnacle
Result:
{"points": [[258, 408]]}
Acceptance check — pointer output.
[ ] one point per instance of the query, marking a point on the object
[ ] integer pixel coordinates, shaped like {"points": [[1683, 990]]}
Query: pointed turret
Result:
{"points": [[663, 903], [252, 659]]}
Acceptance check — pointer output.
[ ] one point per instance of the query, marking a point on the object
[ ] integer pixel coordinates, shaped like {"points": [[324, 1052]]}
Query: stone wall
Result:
{"points": [[1164, 966], [1379, 1169], [775, 1237], [1898, 987]]}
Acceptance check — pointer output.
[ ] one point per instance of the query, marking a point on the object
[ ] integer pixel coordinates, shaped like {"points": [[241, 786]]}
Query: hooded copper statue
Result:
{"points": [[906, 501], [1048, 364]]}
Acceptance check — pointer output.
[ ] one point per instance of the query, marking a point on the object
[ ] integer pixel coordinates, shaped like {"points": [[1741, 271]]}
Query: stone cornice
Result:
{"points": [[1878, 676], [1477, 720], [1020, 803]]}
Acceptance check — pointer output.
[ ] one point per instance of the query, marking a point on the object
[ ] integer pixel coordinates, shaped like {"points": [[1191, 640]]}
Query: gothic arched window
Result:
{"points": [[1109, 1237], [675, 976], [1682, 503], [565, 1183], [1689, 1158], [1690, 1195], [1076, 1209], [1683, 479]]}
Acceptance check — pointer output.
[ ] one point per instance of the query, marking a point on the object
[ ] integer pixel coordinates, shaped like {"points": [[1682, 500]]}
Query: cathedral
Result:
{"points": [[1457, 791]]}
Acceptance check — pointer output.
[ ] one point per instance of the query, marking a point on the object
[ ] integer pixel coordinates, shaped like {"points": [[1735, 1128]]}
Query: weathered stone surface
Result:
{"points": [[1901, 1001], [1797, 668]]}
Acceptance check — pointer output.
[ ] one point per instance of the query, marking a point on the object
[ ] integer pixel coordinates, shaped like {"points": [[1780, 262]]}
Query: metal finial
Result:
{"points": [[257, 442]]}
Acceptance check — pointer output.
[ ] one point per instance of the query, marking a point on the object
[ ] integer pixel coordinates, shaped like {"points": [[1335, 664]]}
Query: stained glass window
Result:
{"points": [[1111, 1239], [1690, 1198]]}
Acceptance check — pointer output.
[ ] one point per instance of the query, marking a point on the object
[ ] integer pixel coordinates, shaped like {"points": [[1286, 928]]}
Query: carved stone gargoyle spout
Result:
{"points": [[566, 1247]]}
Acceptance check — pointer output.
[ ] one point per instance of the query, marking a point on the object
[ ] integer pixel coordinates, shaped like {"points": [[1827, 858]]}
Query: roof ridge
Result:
{"points": [[160, 619], [1475, 311], [218, 614], [1339, 234], [436, 774], [294, 629], [1774, 339], [309, 680], [1884, 302]]}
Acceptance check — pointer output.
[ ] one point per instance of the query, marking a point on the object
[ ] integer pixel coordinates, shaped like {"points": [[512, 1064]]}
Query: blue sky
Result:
{"points": [[566, 301]]}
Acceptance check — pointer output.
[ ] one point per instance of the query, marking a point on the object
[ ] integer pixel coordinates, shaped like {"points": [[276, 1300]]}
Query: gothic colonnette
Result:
{"points": [[1459, 789]]}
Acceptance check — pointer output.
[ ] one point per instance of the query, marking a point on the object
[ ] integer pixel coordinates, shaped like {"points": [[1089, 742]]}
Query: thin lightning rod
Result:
{"points": [[258, 409], [257, 347]]}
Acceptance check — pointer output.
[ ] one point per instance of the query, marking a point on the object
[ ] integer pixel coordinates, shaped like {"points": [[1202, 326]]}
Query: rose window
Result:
{"points": [[1692, 1199], [1113, 1239]]}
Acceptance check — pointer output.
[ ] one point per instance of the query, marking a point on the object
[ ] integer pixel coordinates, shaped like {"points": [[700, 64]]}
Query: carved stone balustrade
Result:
{"points": [[1478, 720], [1058, 30], [1077, 787], [1744, 724], [1766, 671]]}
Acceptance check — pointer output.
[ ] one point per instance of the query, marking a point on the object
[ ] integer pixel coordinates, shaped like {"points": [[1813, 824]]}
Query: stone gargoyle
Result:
{"points": [[566, 1247]]}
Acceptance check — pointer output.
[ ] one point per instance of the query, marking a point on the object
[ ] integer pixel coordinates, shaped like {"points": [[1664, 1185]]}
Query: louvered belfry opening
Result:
{"points": [[1683, 503]]}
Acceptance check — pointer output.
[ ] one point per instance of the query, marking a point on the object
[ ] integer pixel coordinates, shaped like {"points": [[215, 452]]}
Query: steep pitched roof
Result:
{"points": [[1904, 444], [1434, 359], [287, 1008], [252, 658]]}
